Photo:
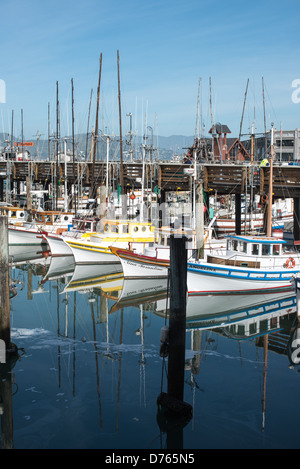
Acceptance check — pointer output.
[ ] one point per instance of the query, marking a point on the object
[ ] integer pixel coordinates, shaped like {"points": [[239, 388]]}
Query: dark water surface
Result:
{"points": [[90, 369]]}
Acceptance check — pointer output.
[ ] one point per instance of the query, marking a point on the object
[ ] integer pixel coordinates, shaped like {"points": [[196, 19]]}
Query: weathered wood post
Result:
{"points": [[174, 413], [177, 321], [4, 283], [4, 288], [238, 217]]}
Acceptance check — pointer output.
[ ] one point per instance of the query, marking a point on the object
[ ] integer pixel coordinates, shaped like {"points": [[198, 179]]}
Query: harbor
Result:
{"points": [[149, 229], [90, 369]]}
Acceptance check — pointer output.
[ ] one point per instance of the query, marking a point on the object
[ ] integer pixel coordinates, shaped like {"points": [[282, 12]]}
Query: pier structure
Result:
{"points": [[221, 179]]}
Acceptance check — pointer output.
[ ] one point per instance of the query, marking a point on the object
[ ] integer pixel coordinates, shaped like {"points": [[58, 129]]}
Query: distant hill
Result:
{"points": [[167, 146]]}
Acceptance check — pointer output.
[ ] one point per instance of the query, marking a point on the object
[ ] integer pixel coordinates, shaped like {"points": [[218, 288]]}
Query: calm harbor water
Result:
{"points": [[90, 370]]}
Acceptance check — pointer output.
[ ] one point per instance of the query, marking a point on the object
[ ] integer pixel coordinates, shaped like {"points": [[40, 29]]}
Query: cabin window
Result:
{"points": [[13, 214], [265, 250], [56, 218], [276, 250], [114, 229], [88, 225], [255, 249], [229, 245], [135, 229], [243, 247], [125, 229], [48, 219], [21, 214], [234, 245], [106, 227], [66, 218], [144, 228]]}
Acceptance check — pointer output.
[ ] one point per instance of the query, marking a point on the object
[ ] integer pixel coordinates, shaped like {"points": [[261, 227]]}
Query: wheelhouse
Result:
{"points": [[254, 246]]}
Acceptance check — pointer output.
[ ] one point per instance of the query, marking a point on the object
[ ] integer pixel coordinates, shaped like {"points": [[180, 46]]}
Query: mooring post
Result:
{"points": [[174, 413], [4, 283], [238, 214], [177, 321]]}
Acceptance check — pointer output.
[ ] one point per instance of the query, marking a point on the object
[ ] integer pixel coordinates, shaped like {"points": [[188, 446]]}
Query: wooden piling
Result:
{"points": [[177, 321], [4, 283]]}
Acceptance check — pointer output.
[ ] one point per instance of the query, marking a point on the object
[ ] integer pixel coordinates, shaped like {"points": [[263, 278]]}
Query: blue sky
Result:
{"points": [[165, 47]]}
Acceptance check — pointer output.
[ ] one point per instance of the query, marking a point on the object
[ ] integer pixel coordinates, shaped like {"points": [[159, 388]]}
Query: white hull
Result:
{"points": [[226, 226], [138, 269], [86, 277], [204, 279], [92, 254], [60, 266], [58, 246], [19, 235]]}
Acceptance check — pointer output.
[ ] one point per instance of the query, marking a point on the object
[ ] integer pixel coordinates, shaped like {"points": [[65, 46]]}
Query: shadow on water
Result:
{"points": [[90, 337]]}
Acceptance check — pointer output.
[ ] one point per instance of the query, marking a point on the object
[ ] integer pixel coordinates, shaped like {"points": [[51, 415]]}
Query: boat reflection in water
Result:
{"points": [[103, 335]]}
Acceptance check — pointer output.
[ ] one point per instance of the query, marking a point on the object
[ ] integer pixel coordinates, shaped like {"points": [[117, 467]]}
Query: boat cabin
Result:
{"points": [[128, 228], [15, 214], [52, 218], [85, 224], [252, 251], [254, 246]]}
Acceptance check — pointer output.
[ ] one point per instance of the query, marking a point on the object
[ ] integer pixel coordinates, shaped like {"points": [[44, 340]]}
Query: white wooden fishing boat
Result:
{"points": [[95, 247], [251, 264], [282, 213], [29, 232]]}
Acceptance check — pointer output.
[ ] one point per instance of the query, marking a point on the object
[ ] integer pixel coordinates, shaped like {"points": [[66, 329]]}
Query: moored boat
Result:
{"points": [[251, 264], [95, 247]]}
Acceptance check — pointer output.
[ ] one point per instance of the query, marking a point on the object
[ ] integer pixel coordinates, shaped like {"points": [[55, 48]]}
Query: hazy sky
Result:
{"points": [[165, 47]]}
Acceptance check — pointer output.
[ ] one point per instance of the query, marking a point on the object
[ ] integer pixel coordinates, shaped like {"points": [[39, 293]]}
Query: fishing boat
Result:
{"points": [[251, 264], [148, 265], [95, 247], [254, 264], [282, 213], [29, 232]]}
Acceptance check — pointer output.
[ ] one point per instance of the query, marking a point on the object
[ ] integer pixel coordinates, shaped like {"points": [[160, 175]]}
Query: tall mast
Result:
{"points": [[73, 148], [49, 131], [197, 114], [120, 124], [12, 130], [57, 143], [243, 109], [93, 193], [269, 225], [88, 125], [263, 94], [212, 119], [22, 133]]}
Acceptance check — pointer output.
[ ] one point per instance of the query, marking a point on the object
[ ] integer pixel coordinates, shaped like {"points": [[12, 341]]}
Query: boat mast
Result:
{"points": [[242, 118], [73, 149], [269, 224], [263, 94], [93, 193], [120, 124], [88, 125]]}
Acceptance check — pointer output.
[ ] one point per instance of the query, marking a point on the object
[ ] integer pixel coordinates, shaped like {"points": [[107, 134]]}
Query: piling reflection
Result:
{"points": [[94, 307]]}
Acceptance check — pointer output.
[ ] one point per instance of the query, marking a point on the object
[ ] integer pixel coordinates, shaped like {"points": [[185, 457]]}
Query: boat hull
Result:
{"points": [[213, 279], [20, 236], [139, 266]]}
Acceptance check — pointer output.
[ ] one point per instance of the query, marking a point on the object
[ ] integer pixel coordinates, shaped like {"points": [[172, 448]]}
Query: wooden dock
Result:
{"points": [[222, 179]]}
